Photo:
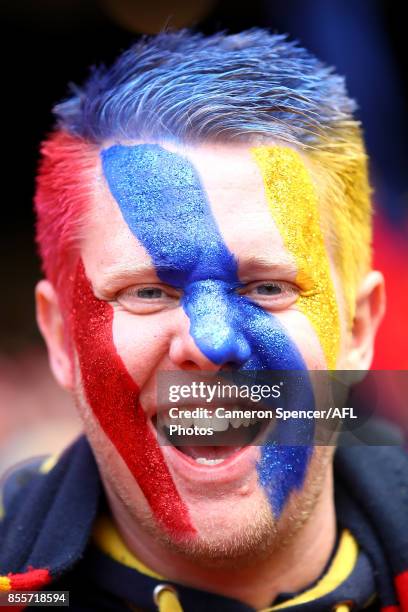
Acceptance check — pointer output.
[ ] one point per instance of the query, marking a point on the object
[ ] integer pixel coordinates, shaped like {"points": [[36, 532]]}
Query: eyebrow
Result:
{"points": [[117, 274], [275, 264], [120, 272]]}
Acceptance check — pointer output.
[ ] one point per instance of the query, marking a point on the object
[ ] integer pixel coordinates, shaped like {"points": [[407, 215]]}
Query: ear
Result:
{"points": [[370, 308], [51, 323]]}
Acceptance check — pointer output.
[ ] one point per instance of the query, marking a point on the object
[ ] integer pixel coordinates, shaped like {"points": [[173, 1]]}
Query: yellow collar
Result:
{"points": [[107, 538]]}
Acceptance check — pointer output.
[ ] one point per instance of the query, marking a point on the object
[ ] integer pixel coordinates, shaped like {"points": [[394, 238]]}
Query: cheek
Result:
{"points": [[303, 334], [113, 396], [141, 342]]}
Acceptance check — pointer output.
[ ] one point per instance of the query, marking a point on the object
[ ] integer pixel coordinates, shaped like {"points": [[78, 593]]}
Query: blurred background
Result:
{"points": [[49, 43]]}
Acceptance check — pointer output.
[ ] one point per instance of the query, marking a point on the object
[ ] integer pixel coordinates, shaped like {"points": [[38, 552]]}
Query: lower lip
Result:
{"points": [[235, 467]]}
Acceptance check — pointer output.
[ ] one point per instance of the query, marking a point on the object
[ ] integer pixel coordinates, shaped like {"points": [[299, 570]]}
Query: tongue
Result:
{"points": [[209, 452]]}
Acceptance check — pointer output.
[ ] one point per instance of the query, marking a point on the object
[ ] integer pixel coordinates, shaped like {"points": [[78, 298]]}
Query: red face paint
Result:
{"points": [[113, 396]]}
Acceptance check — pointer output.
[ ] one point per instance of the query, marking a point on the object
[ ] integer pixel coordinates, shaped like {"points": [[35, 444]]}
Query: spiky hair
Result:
{"points": [[182, 86], [191, 87]]}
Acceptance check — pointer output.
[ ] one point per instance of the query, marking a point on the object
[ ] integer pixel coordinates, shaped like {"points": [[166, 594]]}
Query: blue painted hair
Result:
{"points": [[186, 86], [252, 87]]}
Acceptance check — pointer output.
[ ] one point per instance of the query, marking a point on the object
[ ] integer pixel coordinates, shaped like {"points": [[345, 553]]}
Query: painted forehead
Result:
{"points": [[164, 204], [160, 192]]}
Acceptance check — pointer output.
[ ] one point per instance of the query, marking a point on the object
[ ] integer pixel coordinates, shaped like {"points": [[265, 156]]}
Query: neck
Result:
{"points": [[288, 568]]}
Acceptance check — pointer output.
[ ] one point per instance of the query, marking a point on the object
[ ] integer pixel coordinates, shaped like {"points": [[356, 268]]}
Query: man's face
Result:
{"points": [[200, 258]]}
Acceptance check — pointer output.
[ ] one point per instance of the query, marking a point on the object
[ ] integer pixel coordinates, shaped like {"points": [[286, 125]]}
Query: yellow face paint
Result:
{"points": [[293, 203], [341, 172]]}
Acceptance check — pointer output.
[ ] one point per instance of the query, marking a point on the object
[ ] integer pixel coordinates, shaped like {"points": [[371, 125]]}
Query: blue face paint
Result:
{"points": [[164, 204]]}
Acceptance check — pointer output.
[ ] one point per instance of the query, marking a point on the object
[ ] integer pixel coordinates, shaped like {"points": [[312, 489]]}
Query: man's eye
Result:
{"points": [[148, 299], [268, 289], [274, 295], [150, 293]]}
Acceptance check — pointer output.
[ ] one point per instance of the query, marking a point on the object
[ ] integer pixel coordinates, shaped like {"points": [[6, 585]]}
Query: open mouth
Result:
{"points": [[229, 436]]}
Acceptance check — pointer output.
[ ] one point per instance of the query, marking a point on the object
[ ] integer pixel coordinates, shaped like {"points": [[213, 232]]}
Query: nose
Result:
{"points": [[209, 353], [214, 338]]}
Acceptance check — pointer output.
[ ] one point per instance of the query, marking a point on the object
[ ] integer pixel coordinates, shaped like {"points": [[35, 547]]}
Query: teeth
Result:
{"points": [[203, 422], [183, 422], [217, 424], [205, 461], [236, 423], [220, 424]]}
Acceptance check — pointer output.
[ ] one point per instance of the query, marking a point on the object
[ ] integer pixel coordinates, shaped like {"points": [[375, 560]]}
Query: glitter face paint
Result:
{"points": [[163, 202], [113, 396], [293, 203], [342, 171]]}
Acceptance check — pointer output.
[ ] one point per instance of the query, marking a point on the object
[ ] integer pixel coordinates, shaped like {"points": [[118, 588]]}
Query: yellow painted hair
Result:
{"points": [[339, 165], [321, 204]]}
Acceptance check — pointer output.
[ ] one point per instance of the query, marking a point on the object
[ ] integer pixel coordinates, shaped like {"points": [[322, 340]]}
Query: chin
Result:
{"points": [[228, 536]]}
